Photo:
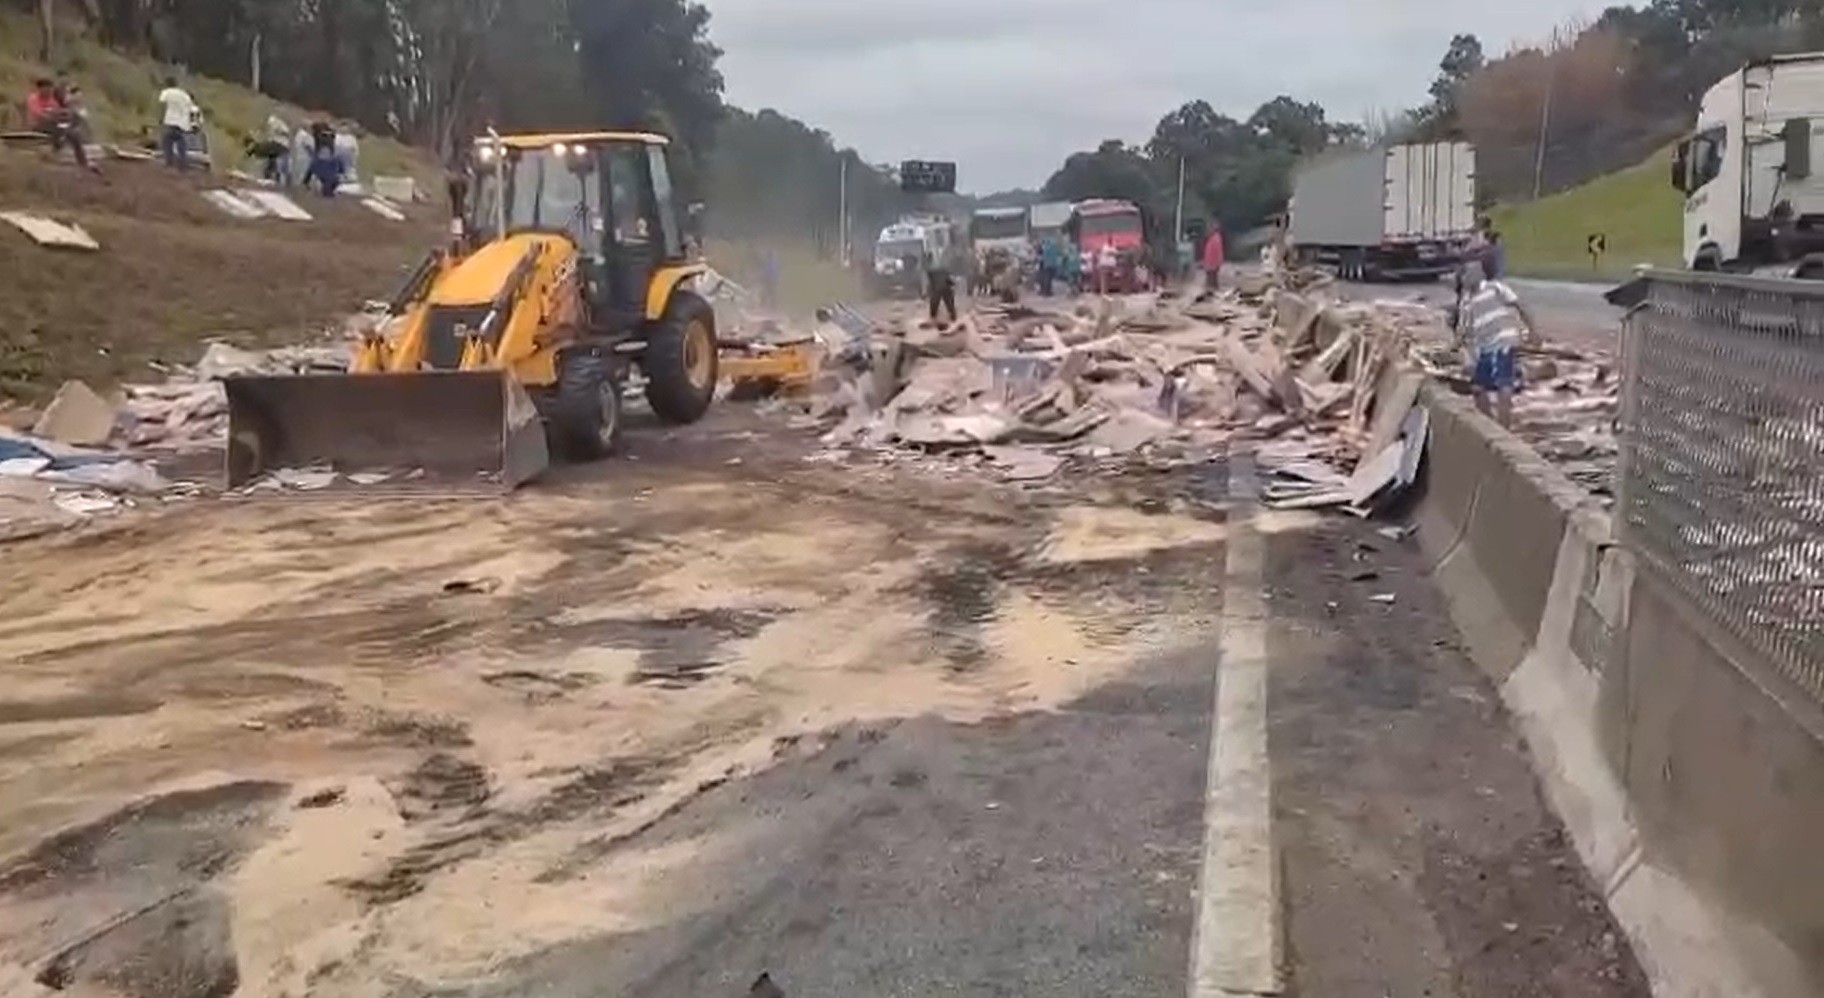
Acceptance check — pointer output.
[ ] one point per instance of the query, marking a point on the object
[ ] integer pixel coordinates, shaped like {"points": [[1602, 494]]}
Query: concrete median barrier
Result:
{"points": [[1491, 518], [1693, 795]]}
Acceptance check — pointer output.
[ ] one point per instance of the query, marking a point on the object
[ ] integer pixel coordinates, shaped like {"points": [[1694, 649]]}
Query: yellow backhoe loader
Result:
{"points": [[567, 267]]}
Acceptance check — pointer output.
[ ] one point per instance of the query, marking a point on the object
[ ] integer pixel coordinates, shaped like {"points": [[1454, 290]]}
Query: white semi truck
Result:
{"points": [[1388, 213], [1751, 199]]}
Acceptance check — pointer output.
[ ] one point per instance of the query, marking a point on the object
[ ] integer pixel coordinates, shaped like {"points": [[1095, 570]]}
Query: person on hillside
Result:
{"points": [[1214, 256], [275, 149], [325, 168], [180, 116], [1492, 321], [303, 150], [48, 111], [76, 105], [347, 147]]}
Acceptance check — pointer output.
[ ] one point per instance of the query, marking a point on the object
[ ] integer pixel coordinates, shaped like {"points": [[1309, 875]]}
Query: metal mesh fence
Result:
{"points": [[1722, 487]]}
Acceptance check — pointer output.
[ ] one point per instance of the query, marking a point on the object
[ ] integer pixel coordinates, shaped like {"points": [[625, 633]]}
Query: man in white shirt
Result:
{"points": [[1492, 321], [179, 118]]}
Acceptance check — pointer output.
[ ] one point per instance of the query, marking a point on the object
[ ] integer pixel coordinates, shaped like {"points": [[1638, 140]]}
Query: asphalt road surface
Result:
{"points": [[727, 708]]}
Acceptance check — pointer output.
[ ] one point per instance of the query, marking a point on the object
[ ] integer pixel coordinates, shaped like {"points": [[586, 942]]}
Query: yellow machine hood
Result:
{"points": [[479, 277]]}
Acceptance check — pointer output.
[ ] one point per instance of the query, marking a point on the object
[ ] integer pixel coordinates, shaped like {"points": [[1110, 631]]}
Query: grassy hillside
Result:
{"points": [[172, 270], [1637, 209], [122, 92]]}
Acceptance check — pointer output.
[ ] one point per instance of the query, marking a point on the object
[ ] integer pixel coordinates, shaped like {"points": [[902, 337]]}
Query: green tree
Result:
{"points": [[1462, 60]]}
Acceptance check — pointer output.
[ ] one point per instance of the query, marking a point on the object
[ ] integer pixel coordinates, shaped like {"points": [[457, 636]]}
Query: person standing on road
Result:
{"points": [[179, 117], [1214, 256], [1050, 265], [940, 281], [1491, 319], [1494, 256], [769, 279]]}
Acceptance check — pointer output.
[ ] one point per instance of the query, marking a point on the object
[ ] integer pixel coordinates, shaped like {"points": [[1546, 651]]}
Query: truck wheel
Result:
{"points": [[680, 360], [584, 419], [1354, 269]]}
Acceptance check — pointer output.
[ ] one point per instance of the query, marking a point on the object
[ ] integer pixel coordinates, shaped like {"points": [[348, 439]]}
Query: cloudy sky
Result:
{"points": [[1008, 88]]}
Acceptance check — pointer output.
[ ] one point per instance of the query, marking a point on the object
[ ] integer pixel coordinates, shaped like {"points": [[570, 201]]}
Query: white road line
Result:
{"points": [[1235, 948]]}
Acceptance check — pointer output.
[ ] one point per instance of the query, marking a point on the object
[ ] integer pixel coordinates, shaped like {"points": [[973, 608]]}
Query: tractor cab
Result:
{"points": [[608, 193]]}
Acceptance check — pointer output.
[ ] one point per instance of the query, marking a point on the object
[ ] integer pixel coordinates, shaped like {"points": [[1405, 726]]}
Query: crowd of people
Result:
{"points": [[320, 155]]}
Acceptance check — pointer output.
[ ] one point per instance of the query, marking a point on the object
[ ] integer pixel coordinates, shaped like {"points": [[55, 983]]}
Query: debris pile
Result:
{"points": [[1160, 379], [1568, 407], [45, 485], [189, 410], [87, 454]]}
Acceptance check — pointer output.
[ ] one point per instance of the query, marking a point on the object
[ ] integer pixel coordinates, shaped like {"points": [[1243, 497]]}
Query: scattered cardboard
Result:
{"points": [[233, 204], [399, 190], [77, 416], [50, 232], [277, 205], [383, 209]]}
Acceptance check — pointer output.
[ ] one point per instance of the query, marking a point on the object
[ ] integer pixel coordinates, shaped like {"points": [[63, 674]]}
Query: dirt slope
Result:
{"points": [[174, 271]]}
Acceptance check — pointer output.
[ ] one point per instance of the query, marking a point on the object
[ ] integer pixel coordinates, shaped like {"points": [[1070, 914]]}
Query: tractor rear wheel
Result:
{"points": [[680, 360], [584, 419]]}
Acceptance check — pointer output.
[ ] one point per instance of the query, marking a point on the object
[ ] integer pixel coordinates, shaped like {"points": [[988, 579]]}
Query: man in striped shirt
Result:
{"points": [[1492, 321]]}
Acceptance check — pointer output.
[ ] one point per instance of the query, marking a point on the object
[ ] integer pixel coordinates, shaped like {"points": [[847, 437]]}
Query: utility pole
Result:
{"points": [[1178, 219], [1545, 127], [1178, 215], [842, 213]]}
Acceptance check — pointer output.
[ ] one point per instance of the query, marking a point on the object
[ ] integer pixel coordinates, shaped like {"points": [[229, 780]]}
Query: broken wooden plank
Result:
{"points": [[1323, 366], [1390, 410], [1253, 372]]}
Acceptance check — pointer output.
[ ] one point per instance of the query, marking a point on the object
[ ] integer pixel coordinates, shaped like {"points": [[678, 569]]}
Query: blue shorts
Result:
{"points": [[1495, 369]]}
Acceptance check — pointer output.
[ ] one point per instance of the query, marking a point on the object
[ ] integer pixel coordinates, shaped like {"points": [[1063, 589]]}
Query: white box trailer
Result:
{"points": [[1403, 211]]}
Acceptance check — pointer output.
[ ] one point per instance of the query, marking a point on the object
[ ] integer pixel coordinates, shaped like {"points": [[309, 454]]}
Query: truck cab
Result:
{"points": [[1745, 169], [1001, 243], [1111, 237], [900, 252]]}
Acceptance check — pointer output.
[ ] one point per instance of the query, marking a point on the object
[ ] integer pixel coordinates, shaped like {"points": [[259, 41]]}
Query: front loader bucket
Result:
{"points": [[456, 430]]}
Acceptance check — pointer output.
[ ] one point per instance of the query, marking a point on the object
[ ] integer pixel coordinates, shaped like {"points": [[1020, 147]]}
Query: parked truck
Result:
{"points": [[1000, 242], [1751, 200], [1049, 220], [1110, 236], [1392, 213], [900, 253]]}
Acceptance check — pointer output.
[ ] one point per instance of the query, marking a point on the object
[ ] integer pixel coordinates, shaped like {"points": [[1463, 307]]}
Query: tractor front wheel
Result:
{"points": [[584, 420], [680, 360]]}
